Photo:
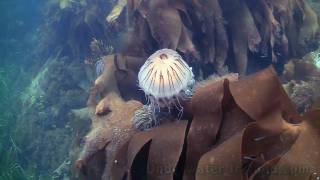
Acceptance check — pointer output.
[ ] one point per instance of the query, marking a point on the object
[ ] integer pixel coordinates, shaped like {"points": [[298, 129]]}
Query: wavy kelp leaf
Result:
{"points": [[222, 162], [245, 152], [261, 96], [303, 159], [163, 152], [127, 154], [266, 111], [207, 116], [262, 173], [210, 151], [206, 105], [261, 144], [234, 120]]}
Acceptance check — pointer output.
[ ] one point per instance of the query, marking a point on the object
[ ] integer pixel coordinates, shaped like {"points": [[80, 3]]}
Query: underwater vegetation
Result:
{"points": [[50, 104], [10, 166], [72, 25], [208, 32], [231, 127], [95, 48], [229, 136]]}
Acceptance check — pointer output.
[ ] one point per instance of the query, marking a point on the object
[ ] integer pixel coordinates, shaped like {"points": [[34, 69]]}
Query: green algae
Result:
{"points": [[10, 168]]}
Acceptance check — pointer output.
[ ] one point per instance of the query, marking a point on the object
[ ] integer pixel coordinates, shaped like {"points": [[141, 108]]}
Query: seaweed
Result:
{"points": [[71, 25], [232, 33], [10, 167], [239, 129]]}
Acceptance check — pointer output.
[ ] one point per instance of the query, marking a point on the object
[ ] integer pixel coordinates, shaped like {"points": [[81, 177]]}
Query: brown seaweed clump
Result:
{"points": [[109, 132], [302, 81], [239, 129], [223, 34]]}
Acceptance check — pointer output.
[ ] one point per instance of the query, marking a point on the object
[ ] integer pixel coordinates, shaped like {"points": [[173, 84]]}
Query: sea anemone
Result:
{"points": [[166, 78]]}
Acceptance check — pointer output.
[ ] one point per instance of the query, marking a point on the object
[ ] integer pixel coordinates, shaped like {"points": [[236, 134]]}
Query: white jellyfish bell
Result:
{"points": [[165, 78]]}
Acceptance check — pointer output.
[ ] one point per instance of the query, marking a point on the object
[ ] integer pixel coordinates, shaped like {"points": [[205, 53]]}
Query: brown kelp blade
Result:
{"points": [[302, 161], [164, 147]]}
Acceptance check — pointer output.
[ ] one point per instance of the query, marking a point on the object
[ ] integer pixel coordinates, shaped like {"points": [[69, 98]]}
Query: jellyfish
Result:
{"points": [[166, 79]]}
